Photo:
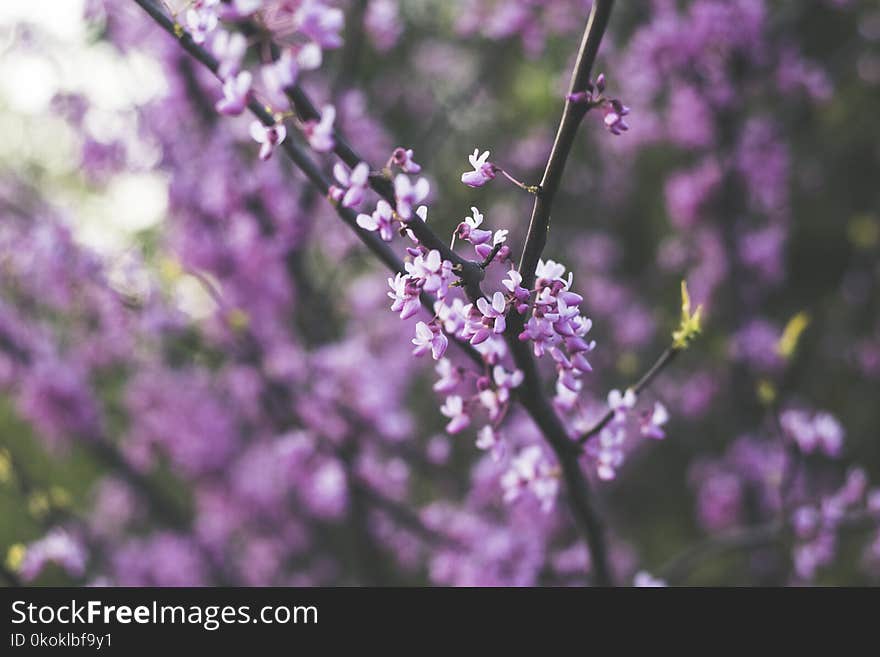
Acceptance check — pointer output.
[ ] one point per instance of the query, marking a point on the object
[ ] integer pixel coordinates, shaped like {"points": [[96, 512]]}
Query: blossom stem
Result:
{"points": [[659, 365], [531, 189]]}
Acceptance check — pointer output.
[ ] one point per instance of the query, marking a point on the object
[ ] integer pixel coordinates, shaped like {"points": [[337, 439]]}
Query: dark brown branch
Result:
{"points": [[531, 393], [572, 116]]}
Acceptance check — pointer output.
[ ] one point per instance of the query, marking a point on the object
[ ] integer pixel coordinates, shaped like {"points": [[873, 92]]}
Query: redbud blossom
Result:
{"points": [[403, 159], [355, 183], [454, 409], [430, 337], [319, 133], [381, 220], [229, 49], [235, 94], [409, 195], [269, 136], [483, 172]]}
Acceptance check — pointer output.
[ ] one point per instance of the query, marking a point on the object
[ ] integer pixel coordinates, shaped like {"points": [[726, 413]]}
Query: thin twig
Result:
{"points": [[659, 365]]}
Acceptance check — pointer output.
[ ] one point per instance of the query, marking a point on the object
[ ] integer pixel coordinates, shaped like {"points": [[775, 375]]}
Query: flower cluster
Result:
{"points": [[531, 470], [607, 449], [555, 325], [316, 27]]}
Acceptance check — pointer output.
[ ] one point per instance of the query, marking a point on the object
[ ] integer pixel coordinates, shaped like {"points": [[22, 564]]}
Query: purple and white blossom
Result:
{"points": [[319, 133], [483, 172], [381, 220], [430, 337], [236, 92], [409, 195], [402, 158], [353, 185], [268, 137]]}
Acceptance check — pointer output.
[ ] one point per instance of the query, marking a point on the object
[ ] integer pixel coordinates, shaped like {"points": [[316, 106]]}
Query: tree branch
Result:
{"points": [[531, 395], [572, 116]]}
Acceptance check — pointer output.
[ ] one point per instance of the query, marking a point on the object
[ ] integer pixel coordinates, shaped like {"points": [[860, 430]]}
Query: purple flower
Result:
{"points": [[652, 422], [355, 183], [493, 313], [540, 332], [469, 229], [279, 76], [498, 237], [621, 403], [819, 433], [319, 133], [58, 546], [269, 136], [644, 579], [453, 315], [381, 220], [608, 451], [403, 159], [489, 440], [454, 409], [434, 272], [238, 9], [201, 19], [229, 48], [322, 24], [506, 380], [520, 294], [430, 337], [531, 470], [483, 172], [450, 376], [614, 113], [235, 94], [405, 294], [409, 195]]}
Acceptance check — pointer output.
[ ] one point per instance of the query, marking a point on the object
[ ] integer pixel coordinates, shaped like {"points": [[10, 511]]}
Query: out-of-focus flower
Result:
{"points": [[236, 91], [268, 136], [454, 409], [531, 470], [652, 422], [59, 547], [229, 48], [319, 133], [409, 195]]}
